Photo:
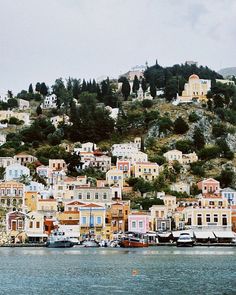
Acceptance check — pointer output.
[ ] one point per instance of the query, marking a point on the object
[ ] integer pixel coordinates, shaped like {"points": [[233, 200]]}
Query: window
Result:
{"points": [[208, 218], [215, 218], [84, 220], [140, 224], [88, 196], [37, 224], [76, 209], [105, 196], [69, 208], [212, 203], [79, 196], [199, 219], [31, 224], [220, 203], [224, 219], [96, 196], [99, 220], [133, 224]]}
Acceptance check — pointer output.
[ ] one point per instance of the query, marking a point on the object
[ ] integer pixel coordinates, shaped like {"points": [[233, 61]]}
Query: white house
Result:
{"points": [[15, 171], [34, 227], [6, 161], [124, 150], [23, 104], [34, 186], [229, 194], [49, 102], [87, 147]]}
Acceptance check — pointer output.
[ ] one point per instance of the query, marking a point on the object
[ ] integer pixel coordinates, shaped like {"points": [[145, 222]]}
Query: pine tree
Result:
{"points": [[30, 89], [153, 90], [125, 89], [84, 86], [135, 87], [39, 110], [38, 87], [43, 89], [144, 85], [198, 138]]}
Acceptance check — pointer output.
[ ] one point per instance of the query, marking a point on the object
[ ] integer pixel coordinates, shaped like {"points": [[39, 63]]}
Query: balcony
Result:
{"points": [[117, 215]]}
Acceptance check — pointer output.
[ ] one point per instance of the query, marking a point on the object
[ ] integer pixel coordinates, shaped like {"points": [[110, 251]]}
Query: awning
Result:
{"points": [[225, 234], [164, 235], [177, 233], [204, 235], [37, 235]]}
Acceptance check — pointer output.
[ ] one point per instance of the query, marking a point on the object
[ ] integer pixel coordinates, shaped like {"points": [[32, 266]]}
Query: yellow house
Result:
{"points": [[212, 212], [115, 176], [117, 216], [47, 206], [12, 195], [92, 220], [69, 217], [146, 170], [31, 200]]}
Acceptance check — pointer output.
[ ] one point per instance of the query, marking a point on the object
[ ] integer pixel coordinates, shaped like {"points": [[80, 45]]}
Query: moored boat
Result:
{"points": [[185, 240], [90, 243], [58, 240], [134, 242]]}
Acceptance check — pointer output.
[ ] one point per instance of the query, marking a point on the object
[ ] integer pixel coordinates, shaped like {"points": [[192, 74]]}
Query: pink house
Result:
{"points": [[124, 166], [138, 222], [209, 185]]}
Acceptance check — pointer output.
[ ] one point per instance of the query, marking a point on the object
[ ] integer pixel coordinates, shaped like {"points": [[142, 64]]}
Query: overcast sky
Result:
{"points": [[42, 40]]}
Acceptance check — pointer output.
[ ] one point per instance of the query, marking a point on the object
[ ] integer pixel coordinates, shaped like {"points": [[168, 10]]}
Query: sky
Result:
{"points": [[41, 40]]}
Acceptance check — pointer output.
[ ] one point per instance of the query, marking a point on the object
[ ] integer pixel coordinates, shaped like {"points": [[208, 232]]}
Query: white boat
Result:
{"points": [[185, 240], [58, 240], [90, 243]]}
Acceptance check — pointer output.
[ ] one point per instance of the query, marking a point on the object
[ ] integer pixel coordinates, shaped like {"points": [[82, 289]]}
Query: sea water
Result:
{"points": [[153, 270]]}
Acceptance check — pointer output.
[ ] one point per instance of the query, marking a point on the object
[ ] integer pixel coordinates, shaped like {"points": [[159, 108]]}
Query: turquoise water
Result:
{"points": [[155, 270]]}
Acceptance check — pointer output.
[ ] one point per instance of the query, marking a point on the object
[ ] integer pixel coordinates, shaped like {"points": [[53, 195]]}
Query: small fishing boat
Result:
{"points": [[90, 243], [134, 242]]}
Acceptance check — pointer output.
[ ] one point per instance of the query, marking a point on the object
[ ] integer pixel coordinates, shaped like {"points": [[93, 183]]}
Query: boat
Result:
{"points": [[185, 240], [134, 242], [58, 240], [90, 243]]}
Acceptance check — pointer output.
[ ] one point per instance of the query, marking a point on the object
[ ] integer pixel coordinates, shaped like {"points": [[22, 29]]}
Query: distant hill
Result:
{"points": [[228, 71]]}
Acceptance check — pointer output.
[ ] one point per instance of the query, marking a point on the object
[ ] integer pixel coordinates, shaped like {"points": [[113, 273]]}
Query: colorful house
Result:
{"points": [[146, 170], [92, 220], [209, 185], [139, 222]]}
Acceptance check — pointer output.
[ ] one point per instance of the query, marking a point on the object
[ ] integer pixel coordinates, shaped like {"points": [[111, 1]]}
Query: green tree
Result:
{"points": [[144, 85], [125, 89], [227, 178], [39, 110], [180, 126], [136, 83], [198, 138], [153, 90], [31, 90]]}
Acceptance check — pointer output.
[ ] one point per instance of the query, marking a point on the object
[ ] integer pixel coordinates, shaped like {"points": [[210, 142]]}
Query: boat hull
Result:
{"points": [[185, 244], [59, 244], [130, 243]]}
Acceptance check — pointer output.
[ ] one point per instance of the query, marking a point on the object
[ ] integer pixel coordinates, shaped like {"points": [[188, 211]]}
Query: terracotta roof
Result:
{"points": [[47, 200], [212, 196], [92, 205], [70, 212], [146, 163], [76, 203]]}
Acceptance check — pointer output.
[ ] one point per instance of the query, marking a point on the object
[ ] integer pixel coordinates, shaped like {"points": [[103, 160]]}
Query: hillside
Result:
{"points": [[228, 72]]}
